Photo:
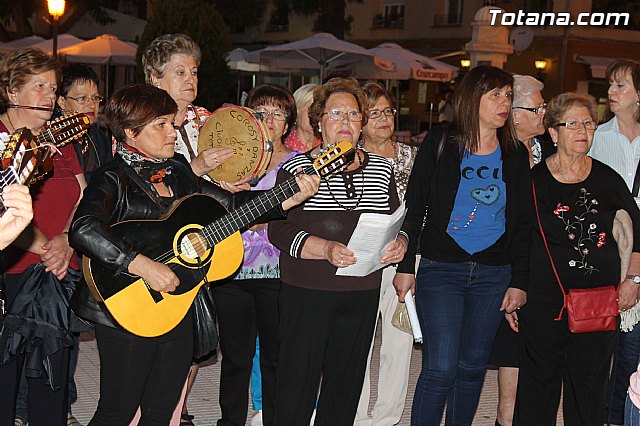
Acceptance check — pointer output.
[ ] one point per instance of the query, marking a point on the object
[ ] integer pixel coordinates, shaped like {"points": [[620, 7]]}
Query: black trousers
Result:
{"points": [[246, 308], [141, 371], [323, 334], [552, 358], [45, 406]]}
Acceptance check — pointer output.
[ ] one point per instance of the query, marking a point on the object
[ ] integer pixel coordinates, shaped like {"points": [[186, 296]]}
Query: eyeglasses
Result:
{"points": [[276, 115], [337, 115], [574, 125], [83, 100], [537, 110], [377, 113]]}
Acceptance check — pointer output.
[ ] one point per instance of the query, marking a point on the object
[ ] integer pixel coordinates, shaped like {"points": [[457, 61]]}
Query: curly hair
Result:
{"points": [[134, 106], [333, 86], [158, 54], [19, 64], [560, 104]]}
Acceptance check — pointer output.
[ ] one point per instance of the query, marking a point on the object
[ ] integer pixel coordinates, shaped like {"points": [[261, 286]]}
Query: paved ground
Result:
{"points": [[203, 401]]}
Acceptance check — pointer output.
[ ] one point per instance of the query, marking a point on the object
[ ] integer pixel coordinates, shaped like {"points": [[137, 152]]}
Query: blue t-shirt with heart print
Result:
{"points": [[478, 217]]}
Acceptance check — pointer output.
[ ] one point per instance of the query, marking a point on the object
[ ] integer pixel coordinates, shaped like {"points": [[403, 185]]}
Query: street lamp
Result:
{"points": [[465, 63], [541, 64], [56, 10]]}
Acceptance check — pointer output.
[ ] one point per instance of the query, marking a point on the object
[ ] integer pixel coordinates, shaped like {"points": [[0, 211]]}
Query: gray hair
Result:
{"points": [[523, 87], [304, 94], [158, 54]]}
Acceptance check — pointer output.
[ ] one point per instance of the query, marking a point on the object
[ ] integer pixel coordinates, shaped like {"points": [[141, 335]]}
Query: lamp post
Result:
{"points": [[541, 64], [56, 10]]}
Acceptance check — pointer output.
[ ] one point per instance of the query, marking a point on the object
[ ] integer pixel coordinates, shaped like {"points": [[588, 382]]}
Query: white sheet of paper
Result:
{"points": [[370, 239], [413, 317]]}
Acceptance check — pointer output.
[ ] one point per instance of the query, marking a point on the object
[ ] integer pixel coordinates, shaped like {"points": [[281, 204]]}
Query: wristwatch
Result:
{"points": [[634, 278]]}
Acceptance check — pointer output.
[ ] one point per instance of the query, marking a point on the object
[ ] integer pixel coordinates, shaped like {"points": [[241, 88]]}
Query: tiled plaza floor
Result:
{"points": [[203, 401]]}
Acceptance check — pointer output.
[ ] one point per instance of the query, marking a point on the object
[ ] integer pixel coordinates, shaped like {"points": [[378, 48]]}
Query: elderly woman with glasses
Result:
{"points": [[528, 115], [327, 320], [247, 306], [396, 346], [577, 200]]}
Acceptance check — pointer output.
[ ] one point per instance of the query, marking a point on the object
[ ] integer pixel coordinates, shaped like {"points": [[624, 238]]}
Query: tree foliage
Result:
{"points": [[241, 13], [202, 22], [331, 14]]}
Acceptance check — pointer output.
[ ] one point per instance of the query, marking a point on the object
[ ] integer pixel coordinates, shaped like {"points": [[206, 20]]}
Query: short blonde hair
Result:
{"points": [[304, 94], [158, 54]]}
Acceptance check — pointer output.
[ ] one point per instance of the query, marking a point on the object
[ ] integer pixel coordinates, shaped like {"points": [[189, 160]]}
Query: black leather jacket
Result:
{"points": [[115, 195]]}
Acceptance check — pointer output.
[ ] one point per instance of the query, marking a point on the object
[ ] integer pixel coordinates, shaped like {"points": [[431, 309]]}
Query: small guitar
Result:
{"points": [[25, 157], [196, 250]]}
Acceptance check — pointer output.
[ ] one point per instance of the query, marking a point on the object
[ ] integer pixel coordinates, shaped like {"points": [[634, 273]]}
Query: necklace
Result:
{"points": [[472, 216], [342, 206], [579, 177], [11, 122]]}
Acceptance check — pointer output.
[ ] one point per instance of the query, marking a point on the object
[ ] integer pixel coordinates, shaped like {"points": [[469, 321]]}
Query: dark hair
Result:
{"points": [[333, 86], [278, 96], [619, 67], [19, 64], [466, 101], [375, 91], [563, 102], [134, 106], [76, 73]]}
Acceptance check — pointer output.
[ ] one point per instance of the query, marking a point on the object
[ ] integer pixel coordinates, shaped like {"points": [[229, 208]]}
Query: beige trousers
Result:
{"points": [[395, 359]]}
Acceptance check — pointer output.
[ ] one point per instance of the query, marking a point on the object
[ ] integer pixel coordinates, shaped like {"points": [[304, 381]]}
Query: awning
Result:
{"points": [[598, 64]]}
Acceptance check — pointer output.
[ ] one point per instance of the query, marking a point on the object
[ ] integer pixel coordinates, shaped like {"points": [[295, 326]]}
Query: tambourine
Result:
{"points": [[243, 130]]}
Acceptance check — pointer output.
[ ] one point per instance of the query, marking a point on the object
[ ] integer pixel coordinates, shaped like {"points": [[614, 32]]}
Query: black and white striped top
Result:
{"points": [[332, 214]]}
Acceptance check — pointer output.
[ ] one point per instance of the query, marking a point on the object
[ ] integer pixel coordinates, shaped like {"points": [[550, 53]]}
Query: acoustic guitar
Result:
{"points": [[197, 250], [25, 157]]}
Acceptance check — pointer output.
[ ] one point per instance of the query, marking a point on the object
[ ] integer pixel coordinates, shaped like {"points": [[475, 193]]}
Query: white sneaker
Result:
{"points": [[256, 420]]}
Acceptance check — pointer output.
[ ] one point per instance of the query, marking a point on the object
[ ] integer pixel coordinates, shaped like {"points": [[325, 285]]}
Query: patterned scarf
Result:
{"points": [[153, 170]]}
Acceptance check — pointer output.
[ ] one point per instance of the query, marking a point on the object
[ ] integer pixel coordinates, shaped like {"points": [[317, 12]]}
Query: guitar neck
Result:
{"points": [[250, 211]]}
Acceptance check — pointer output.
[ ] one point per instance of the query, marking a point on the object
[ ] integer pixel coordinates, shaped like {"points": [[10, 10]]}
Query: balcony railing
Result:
{"points": [[380, 21], [447, 20]]}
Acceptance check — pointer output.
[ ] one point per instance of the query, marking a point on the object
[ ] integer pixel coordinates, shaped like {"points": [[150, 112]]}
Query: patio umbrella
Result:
{"points": [[315, 52], [392, 62], [104, 49], [22, 42], [64, 40]]}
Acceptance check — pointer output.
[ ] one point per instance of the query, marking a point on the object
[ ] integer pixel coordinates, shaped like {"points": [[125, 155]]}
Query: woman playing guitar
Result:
{"points": [[142, 182]]}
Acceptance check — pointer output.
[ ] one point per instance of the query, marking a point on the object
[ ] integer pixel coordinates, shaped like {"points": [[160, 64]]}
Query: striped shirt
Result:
{"points": [[614, 149], [332, 214]]}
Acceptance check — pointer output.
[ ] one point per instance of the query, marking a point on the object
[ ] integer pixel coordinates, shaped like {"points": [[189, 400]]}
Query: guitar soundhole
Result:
{"points": [[193, 245]]}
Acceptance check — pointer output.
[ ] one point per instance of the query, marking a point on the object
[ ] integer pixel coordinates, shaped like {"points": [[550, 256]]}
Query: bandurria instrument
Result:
{"points": [[196, 249], [25, 157], [243, 130]]}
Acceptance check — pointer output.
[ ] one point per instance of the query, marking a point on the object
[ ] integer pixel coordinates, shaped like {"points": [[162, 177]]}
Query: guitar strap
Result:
{"points": [[636, 182]]}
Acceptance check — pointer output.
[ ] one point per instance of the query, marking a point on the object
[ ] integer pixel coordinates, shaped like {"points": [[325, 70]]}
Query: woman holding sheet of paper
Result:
{"points": [[473, 176], [327, 321]]}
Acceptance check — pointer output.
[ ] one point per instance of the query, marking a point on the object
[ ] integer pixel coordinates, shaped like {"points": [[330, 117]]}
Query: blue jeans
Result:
{"points": [[625, 361], [631, 413], [256, 379], [458, 307]]}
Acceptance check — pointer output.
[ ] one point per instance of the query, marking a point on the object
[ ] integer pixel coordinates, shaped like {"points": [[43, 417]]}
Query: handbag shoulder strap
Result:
{"points": [[546, 246], [636, 183]]}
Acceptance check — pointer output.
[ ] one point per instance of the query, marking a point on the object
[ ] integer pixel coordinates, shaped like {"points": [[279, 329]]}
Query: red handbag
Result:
{"points": [[588, 309]]}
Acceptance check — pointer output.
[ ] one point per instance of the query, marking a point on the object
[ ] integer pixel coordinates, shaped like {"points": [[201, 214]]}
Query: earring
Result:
{"points": [[319, 129], [516, 123], [555, 144]]}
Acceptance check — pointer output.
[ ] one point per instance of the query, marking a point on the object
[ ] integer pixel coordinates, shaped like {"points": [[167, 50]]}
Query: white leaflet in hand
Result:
{"points": [[413, 317]]}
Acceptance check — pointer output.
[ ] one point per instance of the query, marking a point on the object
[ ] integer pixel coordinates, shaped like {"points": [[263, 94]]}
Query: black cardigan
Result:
{"points": [[434, 184]]}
